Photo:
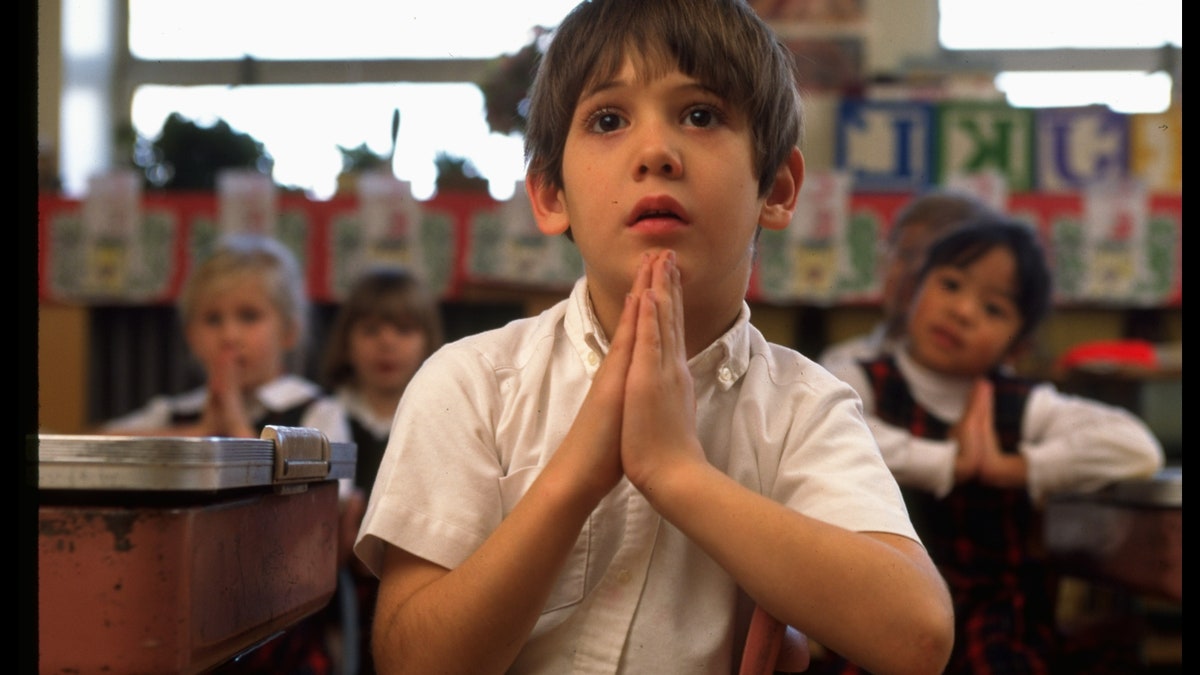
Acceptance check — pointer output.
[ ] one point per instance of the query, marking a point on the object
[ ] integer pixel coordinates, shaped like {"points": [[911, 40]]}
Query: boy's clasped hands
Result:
{"points": [[639, 418]]}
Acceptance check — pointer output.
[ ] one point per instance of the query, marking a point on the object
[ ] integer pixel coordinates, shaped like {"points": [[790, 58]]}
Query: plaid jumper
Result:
{"points": [[983, 540]]}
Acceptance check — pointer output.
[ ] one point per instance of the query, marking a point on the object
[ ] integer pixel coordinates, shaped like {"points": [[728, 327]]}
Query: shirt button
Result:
{"points": [[593, 358], [623, 576], [725, 375]]}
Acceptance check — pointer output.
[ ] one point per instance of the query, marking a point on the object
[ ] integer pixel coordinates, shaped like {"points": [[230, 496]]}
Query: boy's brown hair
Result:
{"points": [[722, 43]]}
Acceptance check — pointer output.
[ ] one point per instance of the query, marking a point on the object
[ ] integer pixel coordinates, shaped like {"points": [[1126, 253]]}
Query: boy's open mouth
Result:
{"points": [[657, 214], [660, 209]]}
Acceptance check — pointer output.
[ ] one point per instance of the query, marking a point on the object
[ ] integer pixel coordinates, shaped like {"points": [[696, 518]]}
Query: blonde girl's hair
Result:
{"points": [[392, 294], [238, 256]]}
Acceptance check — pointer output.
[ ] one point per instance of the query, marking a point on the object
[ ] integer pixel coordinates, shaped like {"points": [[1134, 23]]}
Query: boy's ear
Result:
{"points": [[781, 200], [549, 208]]}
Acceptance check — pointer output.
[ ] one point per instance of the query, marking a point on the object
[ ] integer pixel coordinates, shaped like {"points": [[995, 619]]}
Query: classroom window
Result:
{"points": [[1060, 44], [301, 123]]}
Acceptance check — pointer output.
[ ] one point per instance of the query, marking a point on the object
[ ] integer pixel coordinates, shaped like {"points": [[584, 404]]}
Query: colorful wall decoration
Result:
{"points": [[1102, 189], [906, 146], [1107, 247]]}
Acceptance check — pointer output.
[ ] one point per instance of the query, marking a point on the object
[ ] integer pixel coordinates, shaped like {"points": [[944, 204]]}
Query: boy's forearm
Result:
{"points": [[477, 617], [875, 598]]}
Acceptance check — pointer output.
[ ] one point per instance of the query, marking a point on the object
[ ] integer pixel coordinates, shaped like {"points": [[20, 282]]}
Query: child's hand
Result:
{"points": [[660, 408], [225, 411], [974, 433], [591, 450], [996, 467]]}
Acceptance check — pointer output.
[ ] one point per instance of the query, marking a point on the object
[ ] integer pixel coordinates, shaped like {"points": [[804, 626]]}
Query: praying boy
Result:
{"points": [[611, 486]]}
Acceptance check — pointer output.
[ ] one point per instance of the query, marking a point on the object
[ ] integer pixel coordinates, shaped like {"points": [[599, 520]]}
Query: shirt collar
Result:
{"points": [[943, 395], [286, 392], [356, 407]]}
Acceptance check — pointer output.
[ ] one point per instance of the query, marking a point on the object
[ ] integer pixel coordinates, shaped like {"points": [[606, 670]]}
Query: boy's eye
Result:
{"points": [[702, 116], [604, 121]]}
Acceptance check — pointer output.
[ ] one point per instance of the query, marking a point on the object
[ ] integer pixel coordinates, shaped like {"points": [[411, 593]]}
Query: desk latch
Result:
{"points": [[302, 455]]}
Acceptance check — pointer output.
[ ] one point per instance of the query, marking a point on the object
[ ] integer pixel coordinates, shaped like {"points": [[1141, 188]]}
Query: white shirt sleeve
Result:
{"points": [[915, 462], [446, 499], [1075, 444]]}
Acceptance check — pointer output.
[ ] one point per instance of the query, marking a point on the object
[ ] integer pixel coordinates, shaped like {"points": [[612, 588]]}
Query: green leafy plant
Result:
{"points": [[362, 158], [456, 174], [506, 85], [187, 157]]}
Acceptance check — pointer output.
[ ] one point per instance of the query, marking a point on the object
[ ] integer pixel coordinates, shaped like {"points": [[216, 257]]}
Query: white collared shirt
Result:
{"points": [[485, 414]]}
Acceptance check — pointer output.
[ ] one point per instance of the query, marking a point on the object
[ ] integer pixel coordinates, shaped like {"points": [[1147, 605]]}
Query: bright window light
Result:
{"points": [[85, 140], [84, 36], [1123, 91], [1052, 24], [301, 128], [1069, 24], [348, 29]]}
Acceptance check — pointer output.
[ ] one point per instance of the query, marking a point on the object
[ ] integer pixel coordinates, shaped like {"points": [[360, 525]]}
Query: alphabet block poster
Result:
{"points": [[1156, 149], [979, 138], [886, 146], [1077, 147]]}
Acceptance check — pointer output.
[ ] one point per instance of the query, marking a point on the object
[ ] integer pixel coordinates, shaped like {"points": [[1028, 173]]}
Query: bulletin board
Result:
{"points": [[1119, 251]]}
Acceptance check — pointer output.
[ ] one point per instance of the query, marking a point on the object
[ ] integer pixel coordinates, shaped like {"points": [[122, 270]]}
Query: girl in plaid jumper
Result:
{"points": [[976, 449]]}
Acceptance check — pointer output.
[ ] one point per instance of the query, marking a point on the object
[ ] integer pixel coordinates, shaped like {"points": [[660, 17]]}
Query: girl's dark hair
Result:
{"points": [[392, 294], [975, 238], [722, 43]]}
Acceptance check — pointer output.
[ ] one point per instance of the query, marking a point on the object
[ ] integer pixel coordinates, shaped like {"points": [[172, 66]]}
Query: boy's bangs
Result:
{"points": [[659, 43]]}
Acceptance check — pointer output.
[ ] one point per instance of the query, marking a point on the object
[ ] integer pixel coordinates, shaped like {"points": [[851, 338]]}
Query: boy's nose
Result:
{"points": [[656, 156], [666, 168]]}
